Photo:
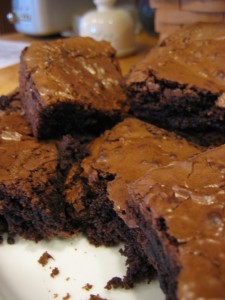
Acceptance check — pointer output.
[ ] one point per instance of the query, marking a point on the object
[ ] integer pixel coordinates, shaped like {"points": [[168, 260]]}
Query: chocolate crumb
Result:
{"points": [[55, 272], [55, 295], [96, 297], [115, 282], [43, 260], [10, 240], [87, 287], [67, 297]]}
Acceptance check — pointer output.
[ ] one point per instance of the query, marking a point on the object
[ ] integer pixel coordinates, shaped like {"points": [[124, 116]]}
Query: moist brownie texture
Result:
{"points": [[180, 85], [180, 211], [71, 85], [117, 158], [32, 177]]}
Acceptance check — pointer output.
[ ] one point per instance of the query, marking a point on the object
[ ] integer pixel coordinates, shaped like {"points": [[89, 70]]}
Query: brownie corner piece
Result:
{"points": [[71, 85], [179, 85]]}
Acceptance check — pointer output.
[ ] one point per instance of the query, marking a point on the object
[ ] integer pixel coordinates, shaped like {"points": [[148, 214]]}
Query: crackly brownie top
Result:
{"points": [[24, 162], [190, 197], [193, 56], [127, 151], [77, 69]]}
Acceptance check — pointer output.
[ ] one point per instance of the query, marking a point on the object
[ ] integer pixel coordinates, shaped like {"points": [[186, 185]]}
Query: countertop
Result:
{"points": [[9, 75]]}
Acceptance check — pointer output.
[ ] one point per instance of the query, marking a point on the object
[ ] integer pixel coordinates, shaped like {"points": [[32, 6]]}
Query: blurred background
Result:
{"points": [[44, 17], [24, 12], [5, 26]]}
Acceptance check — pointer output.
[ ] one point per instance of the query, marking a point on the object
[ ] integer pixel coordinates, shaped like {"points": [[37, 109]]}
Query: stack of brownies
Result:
{"points": [[171, 15], [76, 156]]}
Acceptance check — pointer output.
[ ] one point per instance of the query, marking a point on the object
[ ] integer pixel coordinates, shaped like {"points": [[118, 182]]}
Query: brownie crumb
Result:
{"points": [[87, 287], [96, 297], [55, 272], [115, 282], [43, 260], [67, 297], [10, 240], [55, 295]]}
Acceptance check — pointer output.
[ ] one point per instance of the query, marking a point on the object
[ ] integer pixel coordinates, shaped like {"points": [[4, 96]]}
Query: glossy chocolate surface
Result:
{"points": [[76, 69], [190, 197], [22, 157]]}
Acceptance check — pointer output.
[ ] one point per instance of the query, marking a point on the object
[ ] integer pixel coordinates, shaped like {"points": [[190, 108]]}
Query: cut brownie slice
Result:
{"points": [[180, 210], [32, 178], [180, 85], [117, 158], [72, 84]]}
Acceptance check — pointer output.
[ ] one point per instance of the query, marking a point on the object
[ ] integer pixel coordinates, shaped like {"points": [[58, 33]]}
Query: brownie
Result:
{"points": [[32, 176], [180, 211], [71, 85], [180, 84], [117, 158]]}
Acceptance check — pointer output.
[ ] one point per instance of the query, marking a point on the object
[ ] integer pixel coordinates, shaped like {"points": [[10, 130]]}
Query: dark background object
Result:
{"points": [[5, 26], [146, 14]]}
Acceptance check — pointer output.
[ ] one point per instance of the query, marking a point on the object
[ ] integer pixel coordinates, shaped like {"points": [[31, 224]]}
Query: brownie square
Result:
{"points": [[180, 211], [180, 85], [71, 85], [117, 158], [32, 176]]}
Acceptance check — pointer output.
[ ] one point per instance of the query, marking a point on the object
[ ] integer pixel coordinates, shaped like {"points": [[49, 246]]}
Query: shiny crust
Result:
{"points": [[192, 56], [187, 199]]}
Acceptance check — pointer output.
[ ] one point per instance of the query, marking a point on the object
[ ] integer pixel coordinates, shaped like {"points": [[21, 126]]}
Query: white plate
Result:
{"points": [[78, 262]]}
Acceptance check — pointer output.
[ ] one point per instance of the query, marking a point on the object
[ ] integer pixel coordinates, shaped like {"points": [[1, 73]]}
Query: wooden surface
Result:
{"points": [[9, 75]]}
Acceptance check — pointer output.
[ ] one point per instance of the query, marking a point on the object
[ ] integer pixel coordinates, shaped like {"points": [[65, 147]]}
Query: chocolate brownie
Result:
{"points": [[118, 157], [180, 85], [180, 211], [32, 178], [71, 85]]}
